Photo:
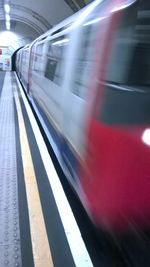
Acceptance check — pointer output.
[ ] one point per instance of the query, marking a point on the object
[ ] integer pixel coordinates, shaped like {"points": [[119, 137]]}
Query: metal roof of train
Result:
{"points": [[31, 18]]}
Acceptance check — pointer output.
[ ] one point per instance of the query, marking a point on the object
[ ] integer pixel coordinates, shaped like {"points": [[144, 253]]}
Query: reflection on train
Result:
{"points": [[88, 79]]}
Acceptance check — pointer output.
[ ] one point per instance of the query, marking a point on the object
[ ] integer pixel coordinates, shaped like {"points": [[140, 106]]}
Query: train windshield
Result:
{"points": [[127, 94]]}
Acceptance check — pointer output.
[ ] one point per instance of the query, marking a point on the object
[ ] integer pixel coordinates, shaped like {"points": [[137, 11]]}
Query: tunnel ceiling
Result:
{"points": [[30, 18]]}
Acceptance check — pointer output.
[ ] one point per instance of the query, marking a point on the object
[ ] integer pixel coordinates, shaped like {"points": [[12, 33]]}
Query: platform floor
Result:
{"points": [[35, 227]]}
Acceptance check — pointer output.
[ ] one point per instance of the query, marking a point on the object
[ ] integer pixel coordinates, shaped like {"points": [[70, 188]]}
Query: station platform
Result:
{"points": [[37, 226]]}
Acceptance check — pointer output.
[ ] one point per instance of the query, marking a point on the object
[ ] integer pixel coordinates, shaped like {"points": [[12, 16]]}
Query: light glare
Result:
{"points": [[146, 137], [61, 42], [94, 21], [118, 8]]}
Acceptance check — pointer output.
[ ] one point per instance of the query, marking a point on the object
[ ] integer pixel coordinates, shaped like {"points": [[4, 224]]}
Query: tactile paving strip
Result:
{"points": [[10, 251]]}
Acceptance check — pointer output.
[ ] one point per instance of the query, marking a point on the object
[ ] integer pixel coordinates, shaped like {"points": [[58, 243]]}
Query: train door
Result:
{"points": [[76, 101]]}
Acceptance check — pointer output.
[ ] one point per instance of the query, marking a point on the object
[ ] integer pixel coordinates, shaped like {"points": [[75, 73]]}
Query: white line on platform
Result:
{"points": [[78, 249]]}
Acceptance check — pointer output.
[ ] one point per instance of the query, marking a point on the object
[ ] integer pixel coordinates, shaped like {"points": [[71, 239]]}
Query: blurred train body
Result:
{"points": [[88, 79]]}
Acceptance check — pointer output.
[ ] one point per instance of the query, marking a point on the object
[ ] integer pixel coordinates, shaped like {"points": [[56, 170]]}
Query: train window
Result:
{"points": [[129, 63], [33, 58], [83, 63], [54, 68], [24, 59], [85, 55], [51, 69], [127, 91], [38, 58]]}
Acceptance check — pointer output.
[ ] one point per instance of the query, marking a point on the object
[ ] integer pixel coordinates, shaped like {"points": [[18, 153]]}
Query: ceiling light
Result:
{"points": [[7, 8], [7, 25], [7, 17]]}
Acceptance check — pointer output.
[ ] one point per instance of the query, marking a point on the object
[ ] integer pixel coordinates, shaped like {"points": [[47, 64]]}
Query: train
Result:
{"points": [[88, 79]]}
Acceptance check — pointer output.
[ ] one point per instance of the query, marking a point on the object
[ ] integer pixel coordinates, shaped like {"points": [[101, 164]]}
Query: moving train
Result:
{"points": [[88, 79]]}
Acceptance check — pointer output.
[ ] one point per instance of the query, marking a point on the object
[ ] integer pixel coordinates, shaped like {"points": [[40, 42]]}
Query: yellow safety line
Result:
{"points": [[41, 250]]}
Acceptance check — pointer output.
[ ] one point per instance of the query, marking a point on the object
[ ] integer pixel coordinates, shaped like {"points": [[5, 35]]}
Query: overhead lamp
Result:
{"points": [[7, 17], [8, 25], [7, 8]]}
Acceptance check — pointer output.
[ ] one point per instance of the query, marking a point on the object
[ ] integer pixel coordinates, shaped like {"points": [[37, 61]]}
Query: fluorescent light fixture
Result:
{"points": [[7, 8], [7, 17], [8, 25]]}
